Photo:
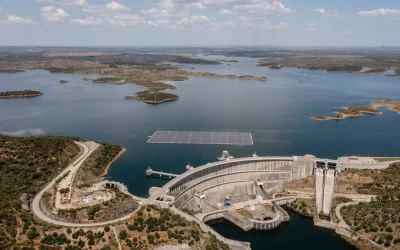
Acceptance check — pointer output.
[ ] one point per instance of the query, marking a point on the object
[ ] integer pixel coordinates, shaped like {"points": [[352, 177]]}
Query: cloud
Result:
{"points": [[274, 7], [329, 13], [197, 5], [379, 12], [1, 9], [126, 19], [52, 14], [110, 7], [88, 21], [225, 12], [67, 2], [270, 25], [349, 32], [116, 6], [311, 24], [158, 23], [26, 132], [149, 11], [19, 20]]}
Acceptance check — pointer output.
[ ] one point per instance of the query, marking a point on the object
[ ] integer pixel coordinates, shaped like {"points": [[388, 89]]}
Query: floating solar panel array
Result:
{"points": [[192, 137]]}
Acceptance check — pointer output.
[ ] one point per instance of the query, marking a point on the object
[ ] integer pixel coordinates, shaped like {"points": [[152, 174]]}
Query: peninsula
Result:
{"points": [[20, 94], [360, 110]]}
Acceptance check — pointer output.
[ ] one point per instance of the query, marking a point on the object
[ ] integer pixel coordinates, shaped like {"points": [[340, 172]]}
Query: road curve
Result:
{"points": [[77, 163]]}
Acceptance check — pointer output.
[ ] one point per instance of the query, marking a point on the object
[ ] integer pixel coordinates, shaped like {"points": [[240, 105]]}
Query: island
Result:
{"points": [[20, 94], [221, 76], [153, 97], [63, 81], [228, 61], [360, 110]]}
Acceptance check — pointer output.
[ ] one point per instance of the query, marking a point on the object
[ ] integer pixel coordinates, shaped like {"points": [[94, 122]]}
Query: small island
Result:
{"points": [[220, 76], [360, 110], [228, 61], [104, 80], [153, 97], [63, 81], [20, 94]]}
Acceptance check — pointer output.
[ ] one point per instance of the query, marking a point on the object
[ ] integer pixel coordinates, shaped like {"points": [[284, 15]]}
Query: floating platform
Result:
{"points": [[195, 137]]}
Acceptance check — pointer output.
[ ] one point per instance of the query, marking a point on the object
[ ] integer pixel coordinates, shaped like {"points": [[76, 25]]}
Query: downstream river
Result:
{"points": [[277, 112]]}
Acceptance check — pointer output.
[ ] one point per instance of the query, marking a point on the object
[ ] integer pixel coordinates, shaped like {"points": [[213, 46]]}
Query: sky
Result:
{"points": [[199, 22]]}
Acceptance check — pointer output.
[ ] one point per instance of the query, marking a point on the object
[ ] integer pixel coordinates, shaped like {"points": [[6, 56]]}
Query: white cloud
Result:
{"points": [[52, 14], [149, 11], [67, 2], [126, 19], [88, 21], [158, 23], [329, 13], [311, 24], [274, 7], [197, 5], [1, 9], [349, 32], [225, 12], [116, 6], [25, 132], [19, 20], [379, 12], [270, 25]]}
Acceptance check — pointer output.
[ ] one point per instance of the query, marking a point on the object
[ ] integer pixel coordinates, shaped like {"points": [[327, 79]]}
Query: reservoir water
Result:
{"points": [[299, 233], [277, 112]]}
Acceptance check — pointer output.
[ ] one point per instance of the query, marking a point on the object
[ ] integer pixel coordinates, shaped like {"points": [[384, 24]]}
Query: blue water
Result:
{"points": [[298, 233], [276, 112]]}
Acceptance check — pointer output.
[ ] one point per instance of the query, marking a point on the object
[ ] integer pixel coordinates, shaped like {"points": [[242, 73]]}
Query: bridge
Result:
{"points": [[151, 172]]}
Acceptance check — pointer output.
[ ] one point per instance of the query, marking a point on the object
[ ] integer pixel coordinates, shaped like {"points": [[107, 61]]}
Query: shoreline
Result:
{"points": [[112, 161], [20, 96]]}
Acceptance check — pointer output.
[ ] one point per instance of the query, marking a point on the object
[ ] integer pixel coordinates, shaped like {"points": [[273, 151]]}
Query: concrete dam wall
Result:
{"points": [[237, 176]]}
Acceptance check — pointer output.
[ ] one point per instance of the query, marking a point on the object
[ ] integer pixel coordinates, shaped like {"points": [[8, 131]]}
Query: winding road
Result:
{"points": [[88, 149]]}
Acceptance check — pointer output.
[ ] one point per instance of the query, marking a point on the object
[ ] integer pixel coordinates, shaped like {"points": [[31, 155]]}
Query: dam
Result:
{"points": [[249, 191], [232, 187]]}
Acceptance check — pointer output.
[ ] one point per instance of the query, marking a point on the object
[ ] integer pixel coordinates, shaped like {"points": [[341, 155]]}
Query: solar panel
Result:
{"points": [[195, 137]]}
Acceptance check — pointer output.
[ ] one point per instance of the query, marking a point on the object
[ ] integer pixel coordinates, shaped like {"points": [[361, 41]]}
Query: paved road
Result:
{"points": [[88, 148]]}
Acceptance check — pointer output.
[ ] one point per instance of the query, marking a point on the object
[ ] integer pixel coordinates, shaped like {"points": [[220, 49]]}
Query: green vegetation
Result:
{"points": [[358, 110], [106, 80], [153, 97], [386, 183], [303, 206], [20, 93], [26, 164], [348, 112], [380, 219], [93, 169]]}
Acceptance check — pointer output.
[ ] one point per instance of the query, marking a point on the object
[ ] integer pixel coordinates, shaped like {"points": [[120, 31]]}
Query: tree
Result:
{"points": [[123, 235], [106, 229]]}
